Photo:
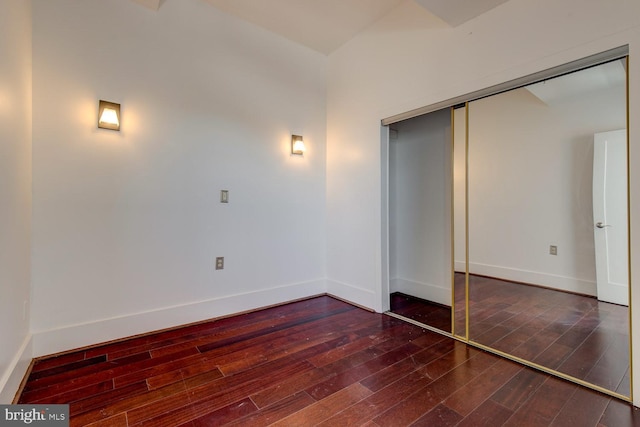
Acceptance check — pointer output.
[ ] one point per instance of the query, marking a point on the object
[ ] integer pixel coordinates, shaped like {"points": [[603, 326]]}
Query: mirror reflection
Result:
{"points": [[420, 211], [547, 210]]}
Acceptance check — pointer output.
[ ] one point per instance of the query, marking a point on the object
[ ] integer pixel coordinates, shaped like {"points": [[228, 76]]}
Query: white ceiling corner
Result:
{"points": [[322, 25], [325, 25], [457, 12], [150, 4]]}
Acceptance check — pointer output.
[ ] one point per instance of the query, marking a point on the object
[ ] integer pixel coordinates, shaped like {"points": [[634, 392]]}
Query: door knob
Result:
{"points": [[601, 225]]}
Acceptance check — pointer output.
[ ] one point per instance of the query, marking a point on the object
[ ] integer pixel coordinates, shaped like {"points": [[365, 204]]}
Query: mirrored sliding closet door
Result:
{"points": [[547, 234], [508, 220]]}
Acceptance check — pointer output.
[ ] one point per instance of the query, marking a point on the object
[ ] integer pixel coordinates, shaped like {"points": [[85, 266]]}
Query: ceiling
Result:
{"points": [[457, 12], [322, 25], [602, 77], [325, 25]]}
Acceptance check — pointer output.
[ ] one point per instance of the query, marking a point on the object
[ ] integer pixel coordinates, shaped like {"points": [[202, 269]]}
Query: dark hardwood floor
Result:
{"points": [[421, 310], [314, 362], [573, 334]]}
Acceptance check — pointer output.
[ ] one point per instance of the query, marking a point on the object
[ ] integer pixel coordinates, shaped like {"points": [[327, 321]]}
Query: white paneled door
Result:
{"points": [[610, 216]]}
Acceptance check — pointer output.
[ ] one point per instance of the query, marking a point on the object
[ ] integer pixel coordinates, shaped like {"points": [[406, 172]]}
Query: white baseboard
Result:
{"points": [[427, 291], [359, 296], [13, 375], [564, 283], [81, 335], [617, 293]]}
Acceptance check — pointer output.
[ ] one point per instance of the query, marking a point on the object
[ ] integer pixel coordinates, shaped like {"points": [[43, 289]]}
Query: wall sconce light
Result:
{"points": [[297, 145], [108, 115]]}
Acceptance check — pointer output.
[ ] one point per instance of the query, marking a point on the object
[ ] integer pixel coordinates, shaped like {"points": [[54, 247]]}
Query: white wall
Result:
{"points": [[126, 225], [15, 193], [411, 59], [530, 185], [420, 207]]}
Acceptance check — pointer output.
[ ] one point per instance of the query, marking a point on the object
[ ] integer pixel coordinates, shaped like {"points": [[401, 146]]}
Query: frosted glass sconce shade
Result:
{"points": [[108, 115], [297, 145]]}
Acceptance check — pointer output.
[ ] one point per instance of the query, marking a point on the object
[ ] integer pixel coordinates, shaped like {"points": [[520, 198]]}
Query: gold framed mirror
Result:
{"points": [[548, 270], [536, 171]]}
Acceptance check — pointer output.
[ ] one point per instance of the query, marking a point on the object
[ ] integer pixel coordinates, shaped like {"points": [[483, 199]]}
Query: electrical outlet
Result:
{"points": [[224, 196], [553, 250], [220, 263]]}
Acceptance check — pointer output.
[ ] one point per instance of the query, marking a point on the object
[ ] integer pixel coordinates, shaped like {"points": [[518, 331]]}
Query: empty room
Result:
{"points": [[303, 212]]}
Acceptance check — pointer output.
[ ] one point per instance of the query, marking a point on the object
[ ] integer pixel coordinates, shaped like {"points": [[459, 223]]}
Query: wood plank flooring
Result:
{"points": [[314, 362], [574, 334], [421, 310]]}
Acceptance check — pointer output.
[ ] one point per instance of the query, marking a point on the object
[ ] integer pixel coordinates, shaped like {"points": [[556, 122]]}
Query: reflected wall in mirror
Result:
{"points": [[538, 225], [420, 211]]}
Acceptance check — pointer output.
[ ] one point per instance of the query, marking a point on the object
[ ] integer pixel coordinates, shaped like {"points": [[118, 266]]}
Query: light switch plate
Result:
{"points": [[224, 196]]}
